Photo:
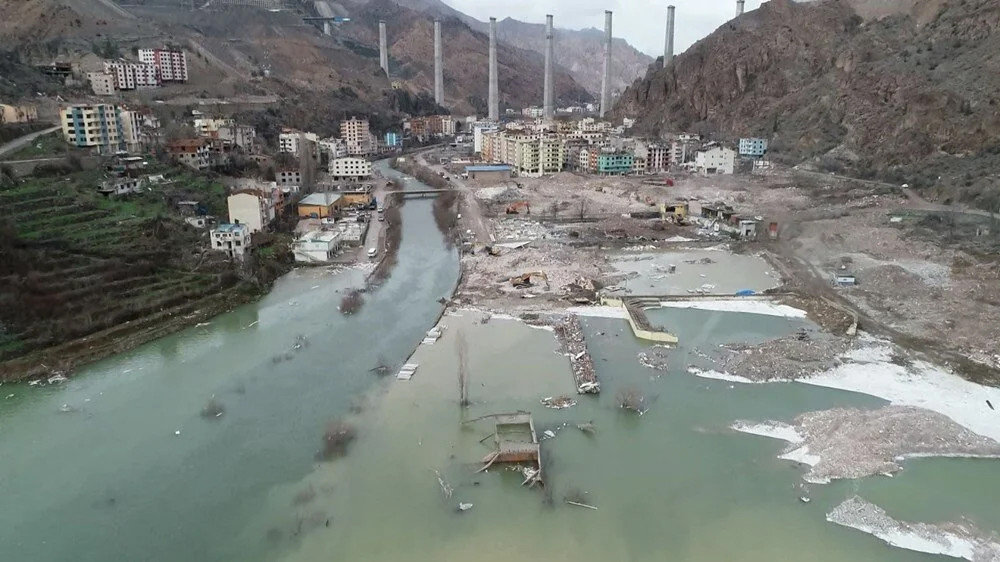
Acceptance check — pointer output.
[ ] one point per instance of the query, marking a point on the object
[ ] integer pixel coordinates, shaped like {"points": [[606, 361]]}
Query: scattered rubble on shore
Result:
{"points": [[958, 540], [853, 443], [570, 334], [782, 359]]}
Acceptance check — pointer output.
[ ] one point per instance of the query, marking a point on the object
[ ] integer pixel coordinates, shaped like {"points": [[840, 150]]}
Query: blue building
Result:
{"points": [[753, 147], [393, 139]]}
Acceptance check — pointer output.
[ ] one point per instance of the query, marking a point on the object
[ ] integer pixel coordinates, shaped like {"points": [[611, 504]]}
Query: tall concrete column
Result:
{"points": [[548, 102], [668, 48], [606, 76], [494, 96], [327, 28], [739, 8], [438, 65], [383, 47]]}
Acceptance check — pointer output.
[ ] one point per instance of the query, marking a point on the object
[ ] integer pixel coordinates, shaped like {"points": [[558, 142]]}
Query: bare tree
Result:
{"points": [[554, 209], [583, 207], [631, 399], [463, 369]]}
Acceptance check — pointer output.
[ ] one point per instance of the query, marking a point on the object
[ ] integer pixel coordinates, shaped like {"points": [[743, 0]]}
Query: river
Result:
{"points": [[111, 479]]}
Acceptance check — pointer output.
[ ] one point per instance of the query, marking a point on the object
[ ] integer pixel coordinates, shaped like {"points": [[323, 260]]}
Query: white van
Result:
{"points": [[372, 252]]}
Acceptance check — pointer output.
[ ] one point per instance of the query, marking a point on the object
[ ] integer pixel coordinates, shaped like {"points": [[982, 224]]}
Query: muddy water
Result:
{"points": [[673, 484], [110, 480], [712, 271]]}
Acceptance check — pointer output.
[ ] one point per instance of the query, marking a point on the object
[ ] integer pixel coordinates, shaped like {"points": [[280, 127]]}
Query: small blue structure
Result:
{"points": [[745, 293], [753, 147]]}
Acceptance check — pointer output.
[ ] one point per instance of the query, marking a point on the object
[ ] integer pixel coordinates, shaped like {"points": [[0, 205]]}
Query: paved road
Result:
{"points": [[21, 141], [472, 213]]}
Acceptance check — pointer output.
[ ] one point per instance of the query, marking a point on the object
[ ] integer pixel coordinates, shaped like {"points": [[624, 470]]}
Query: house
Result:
{"points": [[233, 239], [200, 221], [350, 168], [715, 160], [496, 172], [121, 186], [255, 208], [320, 205], [193, 153], [292, 141], [317, 246]]}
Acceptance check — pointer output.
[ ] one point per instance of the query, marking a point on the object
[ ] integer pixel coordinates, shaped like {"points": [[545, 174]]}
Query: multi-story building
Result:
{"points": [[233, 239], [130, 75], [657, 158], [432, 125], [350, 169], [289, 179], [615, 163], [393, 139], [551, 155], [356, 134], [255, 208], [193, 153], [291, 140], [102, 83], [171, 64], [107, 128], [334, 148], [753, 147], [715, 160]]}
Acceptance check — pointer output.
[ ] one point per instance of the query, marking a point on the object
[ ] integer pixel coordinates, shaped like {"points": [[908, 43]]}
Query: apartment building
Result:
{"points": [[432, 125], [715, 160], [334, 148], [551, 155], [618, 163], [753, 147], [128, 75], [657, 158], [170, 64], [356, 134], [18, 113], [350, 169], [104, 127], [255, 208]]}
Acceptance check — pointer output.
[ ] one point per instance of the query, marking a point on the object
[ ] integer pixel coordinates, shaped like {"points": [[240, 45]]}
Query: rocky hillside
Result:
{"points": [[577, 51], [466, 52], [911, 93]]}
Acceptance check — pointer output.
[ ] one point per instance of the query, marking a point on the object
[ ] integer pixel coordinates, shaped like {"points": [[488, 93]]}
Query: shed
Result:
{"points": [[488, 172], [320, 205], [844, 279]]}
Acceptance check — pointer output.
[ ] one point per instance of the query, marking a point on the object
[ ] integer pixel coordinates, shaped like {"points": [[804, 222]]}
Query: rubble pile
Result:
{"points": [[657, 358], [506, 230], [853, 443], [570, 334], [788, 358], [961, 540]]}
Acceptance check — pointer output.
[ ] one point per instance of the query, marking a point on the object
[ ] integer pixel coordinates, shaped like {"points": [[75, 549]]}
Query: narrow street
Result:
{"points": [[472, 214]]}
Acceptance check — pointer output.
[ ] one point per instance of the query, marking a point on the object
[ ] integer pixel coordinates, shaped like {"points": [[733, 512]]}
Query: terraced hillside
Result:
{"points": [[74, 264]]}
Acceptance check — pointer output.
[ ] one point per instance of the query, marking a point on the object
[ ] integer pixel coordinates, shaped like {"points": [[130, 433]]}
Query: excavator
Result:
{"points": [[524, 280], [513, 208]]}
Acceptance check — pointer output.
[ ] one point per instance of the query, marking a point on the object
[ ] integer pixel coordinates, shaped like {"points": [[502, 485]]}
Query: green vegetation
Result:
{"points": [[44, 146]]}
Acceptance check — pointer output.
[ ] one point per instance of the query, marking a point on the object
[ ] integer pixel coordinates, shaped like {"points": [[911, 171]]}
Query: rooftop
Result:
{"points": [[228, 227], [325, 198], [488, 168]]}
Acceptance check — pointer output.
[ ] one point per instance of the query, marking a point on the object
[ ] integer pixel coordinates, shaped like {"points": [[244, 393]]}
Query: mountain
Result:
{"points": [[578, 51], [909, 93]]}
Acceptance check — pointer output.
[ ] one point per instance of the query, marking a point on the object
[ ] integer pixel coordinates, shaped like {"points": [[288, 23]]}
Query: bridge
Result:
{"points": [[417, 192]]}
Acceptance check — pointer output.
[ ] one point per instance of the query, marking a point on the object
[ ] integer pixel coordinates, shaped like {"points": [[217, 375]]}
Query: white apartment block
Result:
{"points": [[478, 131], [252, 208], [233, 239], [170, 64], [132, 75], [334, 148], [350, 169], [290, 141], [205, 125], [715, 160], [107, 128], [102, 83]]}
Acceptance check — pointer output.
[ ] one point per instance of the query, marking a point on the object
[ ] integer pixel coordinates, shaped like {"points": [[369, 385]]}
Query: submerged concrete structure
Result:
{"points": [[606, 75], [494, 95], [383, 47], [438, 65], [668, 48], [548, 100]]}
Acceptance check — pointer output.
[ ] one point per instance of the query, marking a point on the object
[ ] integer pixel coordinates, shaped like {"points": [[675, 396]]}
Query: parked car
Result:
{"points": [[372, 252]]}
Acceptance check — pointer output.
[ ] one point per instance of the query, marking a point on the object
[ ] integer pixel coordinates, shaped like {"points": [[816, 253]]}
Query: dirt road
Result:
{"points": [[472, 213], [21, 141]]}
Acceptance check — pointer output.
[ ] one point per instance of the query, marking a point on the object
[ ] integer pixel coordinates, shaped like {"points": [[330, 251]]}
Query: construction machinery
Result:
{"points": [[524, 280], [514, 208]]}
